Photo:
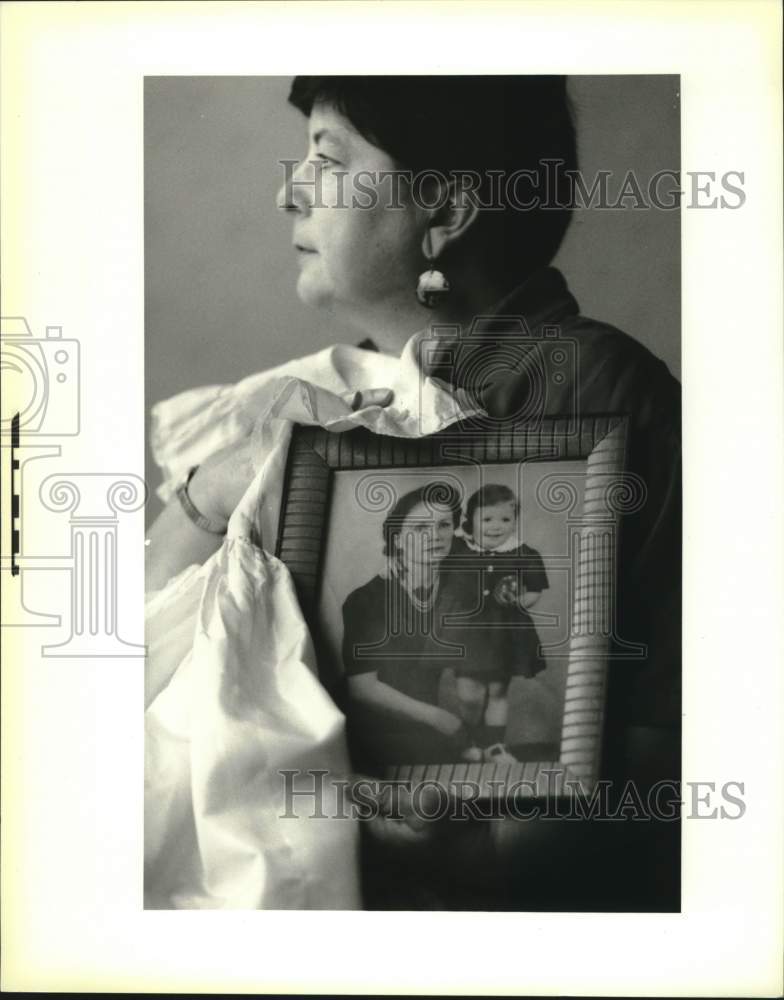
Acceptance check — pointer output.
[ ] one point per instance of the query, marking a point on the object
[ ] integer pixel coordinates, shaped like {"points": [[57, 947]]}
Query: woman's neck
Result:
{"points": [[419, 576], [392, 324]]}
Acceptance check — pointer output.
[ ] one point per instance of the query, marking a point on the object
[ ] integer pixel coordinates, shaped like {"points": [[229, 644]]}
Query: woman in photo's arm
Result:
{"points": [[369, 690], [392, 660]]}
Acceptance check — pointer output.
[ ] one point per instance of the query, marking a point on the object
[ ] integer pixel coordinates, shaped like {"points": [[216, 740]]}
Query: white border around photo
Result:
{"points": [[73, 251]]}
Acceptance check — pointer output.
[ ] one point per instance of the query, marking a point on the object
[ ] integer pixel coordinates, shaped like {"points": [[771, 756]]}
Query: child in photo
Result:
{"points": [[511, 577]]}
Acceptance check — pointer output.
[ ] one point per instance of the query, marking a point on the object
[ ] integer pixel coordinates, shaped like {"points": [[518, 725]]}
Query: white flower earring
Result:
{"points": [[432, 287]]}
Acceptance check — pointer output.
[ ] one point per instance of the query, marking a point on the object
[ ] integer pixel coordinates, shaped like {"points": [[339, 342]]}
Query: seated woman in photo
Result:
{"points": [[393, 265], [396, 643]]}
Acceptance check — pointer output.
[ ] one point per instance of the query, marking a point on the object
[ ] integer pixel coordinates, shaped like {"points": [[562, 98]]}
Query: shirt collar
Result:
{"points": [[543, 297], [512, 543]]}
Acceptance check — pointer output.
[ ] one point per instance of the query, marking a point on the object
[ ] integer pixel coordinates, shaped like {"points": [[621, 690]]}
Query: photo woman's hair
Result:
{"points": [[437, 494], [516, 133]]}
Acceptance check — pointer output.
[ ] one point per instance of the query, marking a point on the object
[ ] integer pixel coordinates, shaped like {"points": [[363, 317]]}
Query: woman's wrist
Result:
{"points": [[444, 721], [199, 501]]}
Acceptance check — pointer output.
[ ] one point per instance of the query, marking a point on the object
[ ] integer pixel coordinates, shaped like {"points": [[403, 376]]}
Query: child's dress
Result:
{"points": [[506, 642]]}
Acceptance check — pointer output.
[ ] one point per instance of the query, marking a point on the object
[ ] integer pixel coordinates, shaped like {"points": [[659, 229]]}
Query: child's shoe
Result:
{"points": [[498, 754]]}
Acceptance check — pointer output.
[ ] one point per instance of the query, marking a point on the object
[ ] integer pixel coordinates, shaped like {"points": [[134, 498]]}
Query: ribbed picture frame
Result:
{"points": [[603, 494]]}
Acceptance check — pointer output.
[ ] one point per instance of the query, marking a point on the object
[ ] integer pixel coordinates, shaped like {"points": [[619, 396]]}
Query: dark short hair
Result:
{"points": [[486, 496], [479, 123], [436, 494]]}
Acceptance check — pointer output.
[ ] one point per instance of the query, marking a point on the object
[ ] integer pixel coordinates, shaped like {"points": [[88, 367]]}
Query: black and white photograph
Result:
{"points": [[421, 228], [391, 422], [446, 605]]}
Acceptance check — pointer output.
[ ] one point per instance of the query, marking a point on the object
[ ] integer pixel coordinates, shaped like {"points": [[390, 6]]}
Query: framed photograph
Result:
{"points": [[459, 589]]}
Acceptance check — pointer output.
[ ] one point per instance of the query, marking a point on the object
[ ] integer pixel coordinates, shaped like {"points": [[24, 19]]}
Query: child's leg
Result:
{"points": [[471, 697], [497, 703], [496, 710]]}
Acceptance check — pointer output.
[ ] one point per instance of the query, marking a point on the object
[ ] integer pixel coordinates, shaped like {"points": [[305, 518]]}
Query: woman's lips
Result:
{"points": [[301, 249]]}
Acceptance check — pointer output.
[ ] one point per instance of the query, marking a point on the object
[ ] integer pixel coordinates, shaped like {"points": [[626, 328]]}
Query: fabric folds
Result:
{"points": [[233, 700]]}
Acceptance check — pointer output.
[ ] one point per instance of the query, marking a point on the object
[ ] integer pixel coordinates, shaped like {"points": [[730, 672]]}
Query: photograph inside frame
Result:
{"points": [[456, 612], [439, 603]]}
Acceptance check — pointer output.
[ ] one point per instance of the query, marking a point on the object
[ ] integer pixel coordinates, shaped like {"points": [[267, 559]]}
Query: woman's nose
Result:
{"points": [[293, 193]]}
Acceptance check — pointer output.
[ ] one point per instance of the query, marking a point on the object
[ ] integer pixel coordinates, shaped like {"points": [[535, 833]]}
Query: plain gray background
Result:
{"points": [[220, 271]]}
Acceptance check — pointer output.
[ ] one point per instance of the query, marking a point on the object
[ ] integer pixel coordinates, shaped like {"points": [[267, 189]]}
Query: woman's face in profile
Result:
{"points": [[354, 226], [426, 536]]}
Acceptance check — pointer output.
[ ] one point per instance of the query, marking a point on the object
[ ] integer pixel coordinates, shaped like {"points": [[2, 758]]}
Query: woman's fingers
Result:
{"points": [[405, 815], [369, 397]]}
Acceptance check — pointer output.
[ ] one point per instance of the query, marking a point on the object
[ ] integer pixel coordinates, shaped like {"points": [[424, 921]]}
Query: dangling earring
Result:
{"points": [[432, 287]]}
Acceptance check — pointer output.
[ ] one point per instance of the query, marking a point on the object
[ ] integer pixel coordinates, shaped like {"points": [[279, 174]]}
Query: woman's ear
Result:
{"points": [[455, 213]]}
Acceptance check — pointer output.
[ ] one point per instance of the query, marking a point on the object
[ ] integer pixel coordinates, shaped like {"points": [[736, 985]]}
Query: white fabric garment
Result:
{"points": [[232, 693], [512, 543]]}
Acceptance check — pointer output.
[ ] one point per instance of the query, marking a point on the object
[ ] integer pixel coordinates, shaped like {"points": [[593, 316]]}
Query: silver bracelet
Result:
{"points": [[193, 512]]}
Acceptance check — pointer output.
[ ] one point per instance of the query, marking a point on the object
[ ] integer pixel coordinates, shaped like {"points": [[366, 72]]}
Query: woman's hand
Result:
{"points": [[397, 815], [511, 593], [445, 722], [506, 592], [215, 489]]}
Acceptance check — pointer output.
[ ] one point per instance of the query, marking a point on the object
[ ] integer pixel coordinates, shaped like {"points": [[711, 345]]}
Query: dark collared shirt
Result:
{"points": [[606, 372], [625, 866]]}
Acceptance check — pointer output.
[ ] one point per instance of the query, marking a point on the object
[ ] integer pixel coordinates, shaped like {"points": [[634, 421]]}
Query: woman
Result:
{"points": [[376, 260], [396, 643]]}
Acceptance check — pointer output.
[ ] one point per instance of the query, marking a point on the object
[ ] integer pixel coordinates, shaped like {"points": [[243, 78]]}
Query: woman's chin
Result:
{"points": [[312, 293]]}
